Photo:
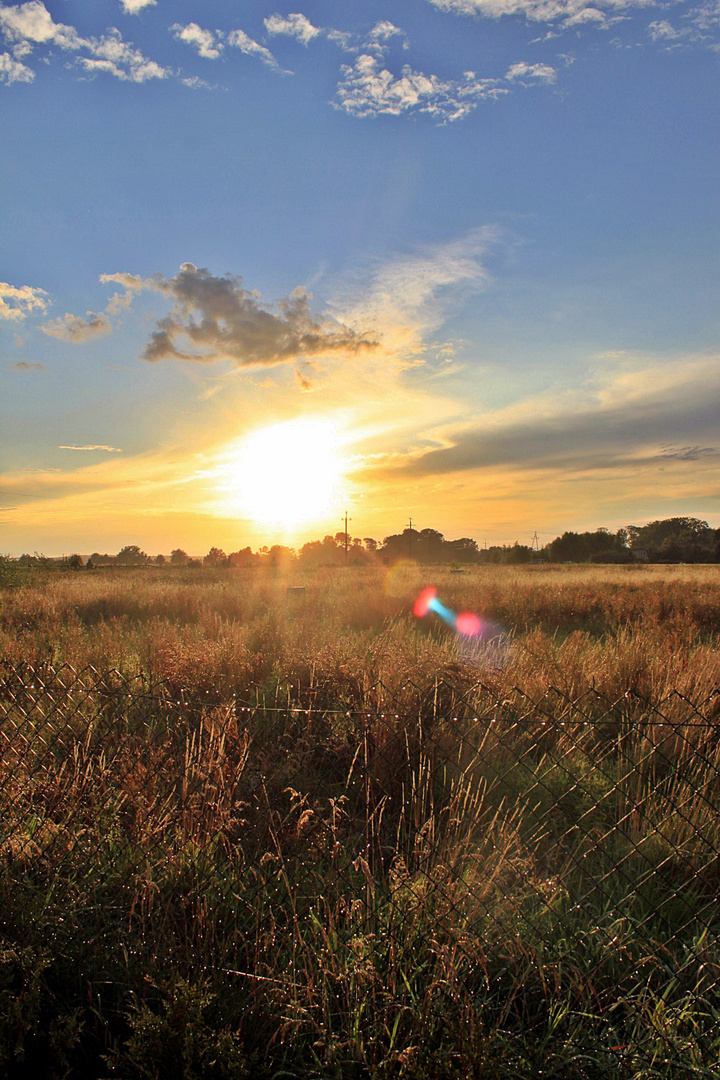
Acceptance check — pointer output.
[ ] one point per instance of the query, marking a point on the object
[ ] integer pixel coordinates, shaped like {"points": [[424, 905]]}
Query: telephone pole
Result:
{"points": [[410, 540], [346, 537]]}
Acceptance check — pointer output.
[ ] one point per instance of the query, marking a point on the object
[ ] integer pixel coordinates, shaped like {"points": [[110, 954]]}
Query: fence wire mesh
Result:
{"points": [[522, 865]]}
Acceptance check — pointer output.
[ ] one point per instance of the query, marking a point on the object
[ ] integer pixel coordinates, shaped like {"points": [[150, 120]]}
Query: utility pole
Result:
{"points": [[346, 537], [410, 540], [535, 542]]}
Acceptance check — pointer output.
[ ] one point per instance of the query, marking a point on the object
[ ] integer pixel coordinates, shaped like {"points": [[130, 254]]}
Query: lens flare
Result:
{"points": [[468, 625], [465, 623], [482, 642]]}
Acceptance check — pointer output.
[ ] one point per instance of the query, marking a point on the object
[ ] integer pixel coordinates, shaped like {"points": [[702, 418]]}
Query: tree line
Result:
{"points": [[670, 540]]}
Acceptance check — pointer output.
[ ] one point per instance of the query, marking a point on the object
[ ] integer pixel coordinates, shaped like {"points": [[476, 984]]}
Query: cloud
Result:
{"points": [[26, 365], [17, 302], [132, 284], [294, 25], [75, 329], [240, 40], [624, 422], [568, 12], [108, 449], [13, 71], [521, 70], [220, 319], [203, 40], [381, 33], [134, 7], [32, 24], [405, 299], [368, 90]]}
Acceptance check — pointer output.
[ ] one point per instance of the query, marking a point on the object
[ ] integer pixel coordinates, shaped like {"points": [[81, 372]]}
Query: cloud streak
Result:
{"points": [[626, 423], [98, 446]]}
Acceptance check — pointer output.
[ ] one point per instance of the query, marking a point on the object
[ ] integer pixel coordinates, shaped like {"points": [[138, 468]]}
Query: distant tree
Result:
{"points": [[676, 539], [215, 557], [160, 560], [75, 562], [131, 555], [178, 557], [280, 557], [243, 558], [370, 544]]}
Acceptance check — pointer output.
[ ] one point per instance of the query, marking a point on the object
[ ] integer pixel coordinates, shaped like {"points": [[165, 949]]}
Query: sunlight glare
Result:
{"points": [[286, 474]]}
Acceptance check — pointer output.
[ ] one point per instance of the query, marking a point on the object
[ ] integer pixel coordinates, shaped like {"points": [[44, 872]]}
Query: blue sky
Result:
{"points": [[477, 238]]}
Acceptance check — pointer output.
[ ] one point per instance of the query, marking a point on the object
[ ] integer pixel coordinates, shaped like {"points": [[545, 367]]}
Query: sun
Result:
{"points": [[286, 474]]}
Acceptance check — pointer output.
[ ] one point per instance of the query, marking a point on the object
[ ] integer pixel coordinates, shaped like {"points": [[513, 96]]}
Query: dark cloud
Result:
{"points": [[220, 319], [608, 437], [27, 365]]}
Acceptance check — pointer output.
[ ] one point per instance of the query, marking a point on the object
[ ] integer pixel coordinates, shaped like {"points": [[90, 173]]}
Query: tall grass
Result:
{"points": [[337, 842]]}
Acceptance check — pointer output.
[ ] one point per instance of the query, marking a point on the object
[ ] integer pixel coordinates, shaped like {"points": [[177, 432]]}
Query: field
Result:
{"points": [[251, 830]]}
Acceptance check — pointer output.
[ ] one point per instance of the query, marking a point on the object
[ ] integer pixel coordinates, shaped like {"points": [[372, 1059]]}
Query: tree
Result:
{"points": [[160, 560], [131, 555], [215, 557], [178, 557]]}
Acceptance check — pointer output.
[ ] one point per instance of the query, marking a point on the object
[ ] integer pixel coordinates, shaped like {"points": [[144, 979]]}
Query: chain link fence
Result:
{"points": [[385, 881]]}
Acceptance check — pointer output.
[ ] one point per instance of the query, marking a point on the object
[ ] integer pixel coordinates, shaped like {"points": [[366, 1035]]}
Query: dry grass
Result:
{"points": [[339, 842]]}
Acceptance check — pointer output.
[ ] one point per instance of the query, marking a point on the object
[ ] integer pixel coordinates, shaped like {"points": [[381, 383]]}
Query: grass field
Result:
{"points": [[305, 834]]}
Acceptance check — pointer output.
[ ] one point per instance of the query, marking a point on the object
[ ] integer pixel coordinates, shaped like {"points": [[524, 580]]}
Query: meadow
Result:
{"points": [[257, 824]]}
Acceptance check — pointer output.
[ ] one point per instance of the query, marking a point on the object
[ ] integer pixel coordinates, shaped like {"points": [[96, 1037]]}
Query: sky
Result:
{"points": [[453, 261]]}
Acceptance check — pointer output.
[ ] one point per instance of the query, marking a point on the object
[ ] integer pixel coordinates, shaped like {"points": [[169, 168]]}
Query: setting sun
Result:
{"points": [[286, 474]]}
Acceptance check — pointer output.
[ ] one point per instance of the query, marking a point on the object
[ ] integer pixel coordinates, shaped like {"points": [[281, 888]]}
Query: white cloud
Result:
{"points": [[94, 446], [381, 34], [134, 7], [13, 71], [73, 328], [521, 70], [366, 89], [240, 40], [569, 12], [294, 25], [16, 302], [32, 24], [203, 40]]}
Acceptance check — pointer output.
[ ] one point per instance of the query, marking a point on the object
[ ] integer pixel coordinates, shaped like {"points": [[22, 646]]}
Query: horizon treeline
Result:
{"points": [[676, 539]]}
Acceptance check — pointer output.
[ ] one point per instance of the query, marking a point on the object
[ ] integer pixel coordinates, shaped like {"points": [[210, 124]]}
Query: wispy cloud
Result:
{"points": [[17, 302], [240, 40], [404, 300], [75, 329], [27, 365], [98, 446]]}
